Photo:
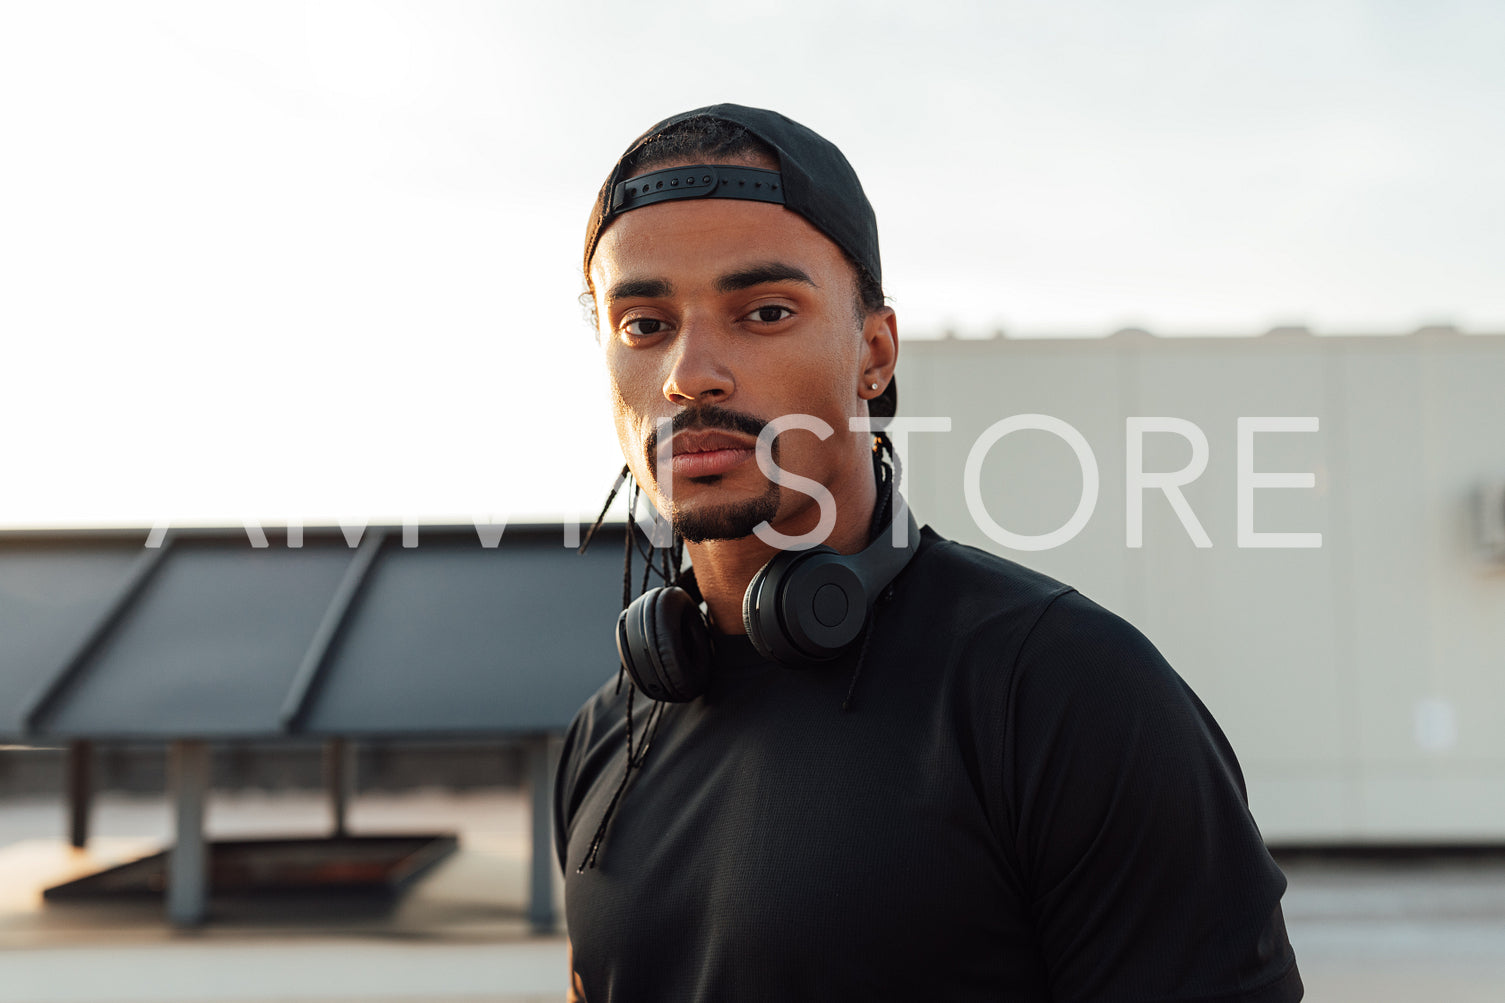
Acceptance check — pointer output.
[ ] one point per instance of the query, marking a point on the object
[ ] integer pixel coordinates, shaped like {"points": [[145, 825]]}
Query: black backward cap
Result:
{"points": [[818, 182]]}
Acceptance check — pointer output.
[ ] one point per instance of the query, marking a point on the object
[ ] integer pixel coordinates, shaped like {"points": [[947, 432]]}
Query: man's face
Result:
{"points": [[723, 315]]}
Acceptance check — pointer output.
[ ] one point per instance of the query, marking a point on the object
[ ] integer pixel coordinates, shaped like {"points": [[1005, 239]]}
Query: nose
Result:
{"points": [[699, 370]]}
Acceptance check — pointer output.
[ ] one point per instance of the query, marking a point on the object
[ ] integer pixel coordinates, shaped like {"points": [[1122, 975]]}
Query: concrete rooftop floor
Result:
{"points": [[1363, 931]]}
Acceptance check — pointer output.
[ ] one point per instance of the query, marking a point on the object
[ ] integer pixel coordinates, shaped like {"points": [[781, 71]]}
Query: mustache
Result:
{"points": [[707, 417]]}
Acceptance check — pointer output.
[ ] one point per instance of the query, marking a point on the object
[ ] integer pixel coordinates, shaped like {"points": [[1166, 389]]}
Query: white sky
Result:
{"points": [[321, 260]]}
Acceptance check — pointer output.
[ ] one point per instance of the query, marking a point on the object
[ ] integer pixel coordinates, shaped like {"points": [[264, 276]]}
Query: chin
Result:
{"points": [[727, 520]]}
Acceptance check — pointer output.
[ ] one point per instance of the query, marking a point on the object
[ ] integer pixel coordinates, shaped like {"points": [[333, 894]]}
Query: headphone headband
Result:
{"points": [[878, 565]]}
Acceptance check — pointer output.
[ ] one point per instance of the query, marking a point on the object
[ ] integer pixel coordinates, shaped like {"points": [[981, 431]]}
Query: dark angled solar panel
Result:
{"points": [[208, 648], [453, 638], [210, 637], [52, 593]]}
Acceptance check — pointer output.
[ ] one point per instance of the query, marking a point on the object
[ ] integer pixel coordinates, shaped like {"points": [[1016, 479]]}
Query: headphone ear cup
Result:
{"points": [[758, 612], [664, 643], [760, 609], [804, 607]]}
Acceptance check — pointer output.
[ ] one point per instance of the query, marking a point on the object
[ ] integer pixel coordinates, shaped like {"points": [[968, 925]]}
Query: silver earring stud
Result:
{"points": [[872, 386]]}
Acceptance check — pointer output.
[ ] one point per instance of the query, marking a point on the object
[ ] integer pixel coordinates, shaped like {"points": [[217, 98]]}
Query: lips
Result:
{"points": [[704, 453]]}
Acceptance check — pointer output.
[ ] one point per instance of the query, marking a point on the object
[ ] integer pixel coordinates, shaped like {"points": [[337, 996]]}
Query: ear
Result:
{"points": [[880, 351]]}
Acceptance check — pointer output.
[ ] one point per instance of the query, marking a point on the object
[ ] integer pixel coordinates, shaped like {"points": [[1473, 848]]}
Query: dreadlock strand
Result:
{"points": [[648, 569], [610, 497], [887, 478], [611, 807], [630, 545], [635, 761], [867, 635]]}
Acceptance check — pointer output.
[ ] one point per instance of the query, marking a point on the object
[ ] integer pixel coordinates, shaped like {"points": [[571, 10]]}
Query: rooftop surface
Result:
{"points": [[1372, 931]]}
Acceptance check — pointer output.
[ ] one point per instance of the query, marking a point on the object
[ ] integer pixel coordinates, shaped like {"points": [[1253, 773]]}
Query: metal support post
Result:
{"points": [[543, 752], [339, 775], [80, 791], [188, 859]]}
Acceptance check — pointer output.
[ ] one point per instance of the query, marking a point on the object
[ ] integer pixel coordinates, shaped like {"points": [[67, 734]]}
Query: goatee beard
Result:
{"points": [[730, 521]]}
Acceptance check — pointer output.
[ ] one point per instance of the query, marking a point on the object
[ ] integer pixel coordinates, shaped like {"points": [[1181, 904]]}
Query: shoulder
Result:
{"points": [[968, 603], [984, 583], [1077, 645], [1000, 613]]}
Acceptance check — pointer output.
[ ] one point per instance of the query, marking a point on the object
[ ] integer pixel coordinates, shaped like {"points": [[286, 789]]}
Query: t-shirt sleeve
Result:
{"points": [[1147, 877]]}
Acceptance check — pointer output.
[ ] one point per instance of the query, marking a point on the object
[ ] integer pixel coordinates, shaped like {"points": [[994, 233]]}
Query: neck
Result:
{"points": [[723, 568]]}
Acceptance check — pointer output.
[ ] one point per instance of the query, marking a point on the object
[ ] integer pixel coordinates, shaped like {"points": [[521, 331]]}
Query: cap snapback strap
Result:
{"points": [[696, 181]]}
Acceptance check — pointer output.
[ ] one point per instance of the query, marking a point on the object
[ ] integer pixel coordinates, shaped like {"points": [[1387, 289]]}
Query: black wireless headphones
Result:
{"points": [[802, 608]]}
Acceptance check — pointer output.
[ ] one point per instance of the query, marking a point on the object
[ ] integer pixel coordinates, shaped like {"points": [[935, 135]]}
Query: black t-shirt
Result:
{"points": [[1024, 803]]}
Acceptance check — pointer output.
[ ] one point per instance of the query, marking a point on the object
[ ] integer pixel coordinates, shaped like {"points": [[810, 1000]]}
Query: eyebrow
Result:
{"points": [[639, 289], [754, 275], [759, 274]]}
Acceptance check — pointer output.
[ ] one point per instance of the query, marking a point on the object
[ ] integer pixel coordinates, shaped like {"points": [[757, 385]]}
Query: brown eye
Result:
{"points": [[771, 314], [643, 327]]}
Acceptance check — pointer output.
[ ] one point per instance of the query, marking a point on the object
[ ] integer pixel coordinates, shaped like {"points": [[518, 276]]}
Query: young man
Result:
{"points": [[985, 788]]}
